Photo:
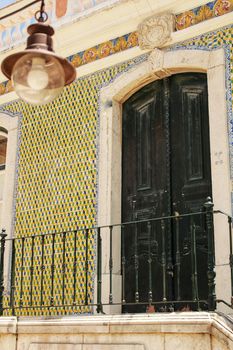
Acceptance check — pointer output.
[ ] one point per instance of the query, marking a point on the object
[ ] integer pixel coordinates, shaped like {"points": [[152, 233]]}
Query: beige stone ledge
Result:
{"points": [[185, 322], [8, 325], [185, 330], [49, 346]]}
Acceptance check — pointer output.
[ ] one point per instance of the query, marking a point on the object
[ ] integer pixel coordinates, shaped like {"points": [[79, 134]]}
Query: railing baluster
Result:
{"points": [[12, 292], [32, 269], [163, 261], [123, 262], [110, 268], [75, 267], [63, 265], [195, 291], [231, 255], [150, 295], [21, 274], [169, 250], [99, 272], [42, 267], [178, 261], [3, 240], [211, 254], [52, 271], [192, 260], [86, 267], [136, 264]]}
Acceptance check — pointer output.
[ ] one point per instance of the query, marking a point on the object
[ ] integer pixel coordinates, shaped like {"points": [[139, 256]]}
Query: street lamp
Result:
{"points": [[37, 73]]}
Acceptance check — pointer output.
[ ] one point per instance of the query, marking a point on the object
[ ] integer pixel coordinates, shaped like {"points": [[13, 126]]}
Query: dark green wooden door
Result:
{"points": [[165, 171]]}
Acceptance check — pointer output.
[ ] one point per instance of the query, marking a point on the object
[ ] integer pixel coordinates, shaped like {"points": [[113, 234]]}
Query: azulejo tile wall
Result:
{"points": [[57, 184], [56, 192]]}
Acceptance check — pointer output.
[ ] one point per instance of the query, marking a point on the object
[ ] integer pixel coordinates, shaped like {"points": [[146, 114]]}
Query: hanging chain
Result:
{"points": [[41, 16]]}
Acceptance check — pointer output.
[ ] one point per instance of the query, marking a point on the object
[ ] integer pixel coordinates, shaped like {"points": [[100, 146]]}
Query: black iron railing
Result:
{"points": [[156, 264]]}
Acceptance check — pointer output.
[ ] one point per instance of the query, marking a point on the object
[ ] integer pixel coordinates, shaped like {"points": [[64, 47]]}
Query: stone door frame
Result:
{"points": [[161, 64]]}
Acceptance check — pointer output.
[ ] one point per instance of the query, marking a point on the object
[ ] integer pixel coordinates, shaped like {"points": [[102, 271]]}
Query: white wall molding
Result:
{"points": [[9, 121]]}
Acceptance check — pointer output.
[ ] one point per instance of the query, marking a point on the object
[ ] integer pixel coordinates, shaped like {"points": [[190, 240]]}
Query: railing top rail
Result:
{"points": [[222, 212], [113, 225], [168, 217]]}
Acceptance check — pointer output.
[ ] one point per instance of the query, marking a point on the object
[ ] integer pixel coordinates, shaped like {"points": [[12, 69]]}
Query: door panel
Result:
{"points": [[165, 171], [144, 185], [190, 161], [190, 169]]}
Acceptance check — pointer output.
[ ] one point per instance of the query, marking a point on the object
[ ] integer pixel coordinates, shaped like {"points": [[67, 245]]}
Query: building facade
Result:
{"points": [[68, 184]]}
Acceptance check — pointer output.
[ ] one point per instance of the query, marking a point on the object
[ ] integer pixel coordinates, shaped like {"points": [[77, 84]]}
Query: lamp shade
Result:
{"points": [[37, 73]]}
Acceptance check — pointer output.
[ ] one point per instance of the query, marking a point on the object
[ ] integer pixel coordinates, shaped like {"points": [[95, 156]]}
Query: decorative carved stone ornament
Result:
{"points": [[155, 61], [155, 31]]}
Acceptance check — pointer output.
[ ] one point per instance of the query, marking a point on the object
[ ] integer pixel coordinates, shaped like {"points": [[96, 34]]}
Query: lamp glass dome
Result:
{"points": [[38, 78]]}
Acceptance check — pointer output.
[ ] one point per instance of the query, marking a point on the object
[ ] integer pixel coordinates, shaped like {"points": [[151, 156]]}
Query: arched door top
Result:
{"points": [[159, 65]]}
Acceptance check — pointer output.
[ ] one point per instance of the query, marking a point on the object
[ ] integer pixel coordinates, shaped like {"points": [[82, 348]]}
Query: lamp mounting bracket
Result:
{"points": [[41, 16]]}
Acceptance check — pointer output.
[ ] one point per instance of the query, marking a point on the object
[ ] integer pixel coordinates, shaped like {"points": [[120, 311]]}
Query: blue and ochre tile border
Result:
{"points": [[202, 13], [105, 49]]}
